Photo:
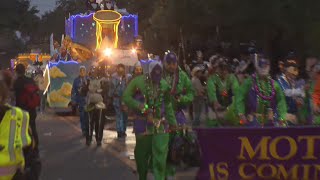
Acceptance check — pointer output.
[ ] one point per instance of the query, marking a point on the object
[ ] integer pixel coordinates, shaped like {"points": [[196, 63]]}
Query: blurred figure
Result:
{"points": [[95, 108], [14, 125], [199, 99], [28, 99], [78, 97], [293, 89], [118, 84]]}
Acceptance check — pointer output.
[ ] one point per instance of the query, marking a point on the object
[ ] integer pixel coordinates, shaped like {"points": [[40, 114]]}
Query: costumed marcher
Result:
{"points": [[95, 108], [242, 72], [261, 101], [152, 131], [78, 97], [293, 90], [199, 97], [181, 87], [222, 88], [313, 91], [14, 125], [137, 71], [118, 84], [182, 95]]}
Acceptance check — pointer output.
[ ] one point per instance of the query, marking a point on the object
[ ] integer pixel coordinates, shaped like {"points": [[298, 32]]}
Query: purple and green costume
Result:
{"points": [[224, 92], [257, 97], [152, 143], [181, 89]]}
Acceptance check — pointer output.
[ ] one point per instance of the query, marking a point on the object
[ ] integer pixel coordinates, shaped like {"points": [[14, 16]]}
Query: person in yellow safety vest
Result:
{"points": [[14, 136]]}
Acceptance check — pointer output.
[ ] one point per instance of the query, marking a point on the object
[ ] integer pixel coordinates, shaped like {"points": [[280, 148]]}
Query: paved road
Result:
{"points": [[66, 157]]}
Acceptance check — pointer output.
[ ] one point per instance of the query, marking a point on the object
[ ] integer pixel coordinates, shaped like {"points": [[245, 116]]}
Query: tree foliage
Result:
{"points": [[16, 15]]}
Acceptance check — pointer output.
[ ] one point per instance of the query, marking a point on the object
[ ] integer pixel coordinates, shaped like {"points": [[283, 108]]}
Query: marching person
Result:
{"points": [[181, 87], [261, 100], [14, 125], [199, 99], [78, 97], [293, 90], [117, 86], [95, 108], [28, 99], [152, 131], [222, 87]]}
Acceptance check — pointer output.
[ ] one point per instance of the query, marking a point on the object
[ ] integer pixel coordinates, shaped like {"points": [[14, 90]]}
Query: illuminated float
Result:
{"points": [[98, 37]]}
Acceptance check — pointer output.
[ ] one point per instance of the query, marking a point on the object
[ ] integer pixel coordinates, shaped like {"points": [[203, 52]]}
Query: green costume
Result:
{"points": [[182, 95], [256, 97], [152, 146], [224, 92], [181, 88]]}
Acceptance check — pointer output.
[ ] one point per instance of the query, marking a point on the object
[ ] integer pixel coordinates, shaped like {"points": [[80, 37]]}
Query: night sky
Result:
{"points": [[44, 5]]}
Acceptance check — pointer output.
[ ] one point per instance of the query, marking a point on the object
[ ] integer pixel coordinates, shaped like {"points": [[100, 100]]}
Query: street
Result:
{"points": [[65, 156]]}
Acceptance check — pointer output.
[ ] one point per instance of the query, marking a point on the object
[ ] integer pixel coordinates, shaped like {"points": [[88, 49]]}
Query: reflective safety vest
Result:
{"points": [[14, 137]]}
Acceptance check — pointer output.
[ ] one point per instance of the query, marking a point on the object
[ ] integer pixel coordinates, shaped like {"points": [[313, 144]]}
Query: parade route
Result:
{"points": [[65, 156]]}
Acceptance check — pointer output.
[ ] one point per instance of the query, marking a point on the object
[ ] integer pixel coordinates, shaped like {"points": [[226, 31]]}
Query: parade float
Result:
{"points": [[93, 39]]}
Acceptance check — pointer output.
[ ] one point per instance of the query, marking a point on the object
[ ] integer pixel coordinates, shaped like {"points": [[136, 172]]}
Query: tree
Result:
{"points": [[16, 15]]}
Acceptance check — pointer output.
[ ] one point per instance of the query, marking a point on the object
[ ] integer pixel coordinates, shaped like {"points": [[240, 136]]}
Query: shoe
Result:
{"points": [[88, 142], [124, 134], [119, 135], [98, 143], [84, 134]]}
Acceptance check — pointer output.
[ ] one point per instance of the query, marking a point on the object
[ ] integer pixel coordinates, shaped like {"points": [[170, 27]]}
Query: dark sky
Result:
{"points": [[44, 5]]}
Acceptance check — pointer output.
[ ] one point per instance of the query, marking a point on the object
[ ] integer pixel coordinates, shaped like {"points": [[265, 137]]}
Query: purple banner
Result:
{"points": [[259, 153]]}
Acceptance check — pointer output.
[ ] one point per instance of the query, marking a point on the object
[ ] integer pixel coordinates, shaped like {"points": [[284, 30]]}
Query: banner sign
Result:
{"points": [[259, 153]]}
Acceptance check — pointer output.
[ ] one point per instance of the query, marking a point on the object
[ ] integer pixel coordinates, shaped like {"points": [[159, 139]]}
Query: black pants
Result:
{"points": [[96, 123], [33, 127]]}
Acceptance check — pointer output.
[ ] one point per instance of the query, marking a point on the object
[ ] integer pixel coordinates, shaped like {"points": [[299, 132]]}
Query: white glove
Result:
{"points": [[300, 92], [288, 92]]}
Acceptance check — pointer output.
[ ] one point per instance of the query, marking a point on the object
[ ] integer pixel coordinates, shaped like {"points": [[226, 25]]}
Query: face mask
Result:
{"points": [[171, 67], [156, 74], [263, 67]]}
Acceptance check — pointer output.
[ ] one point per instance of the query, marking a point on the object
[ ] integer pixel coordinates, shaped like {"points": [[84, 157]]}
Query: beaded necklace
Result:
{"points": [[264, 94], [222, 86], [173, 80], [154, 96]]}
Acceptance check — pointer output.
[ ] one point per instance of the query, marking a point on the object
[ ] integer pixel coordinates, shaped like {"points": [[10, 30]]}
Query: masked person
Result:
{"points": [[222, 88], [199, 99], [138, 70], [261, 100], [78, 97], [181, 87], [118, 84], [95, 107], [293, 90], [152, 131], [14, 125]]}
